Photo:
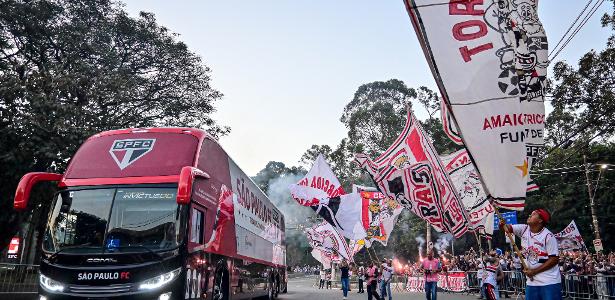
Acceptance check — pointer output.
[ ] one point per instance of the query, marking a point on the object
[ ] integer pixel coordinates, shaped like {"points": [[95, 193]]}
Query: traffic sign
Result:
{"points": [[510, 217]]}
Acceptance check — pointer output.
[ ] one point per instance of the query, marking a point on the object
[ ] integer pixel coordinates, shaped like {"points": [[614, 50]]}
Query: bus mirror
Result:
{"points": [[67, 201], [27, 182], [184, 187]]}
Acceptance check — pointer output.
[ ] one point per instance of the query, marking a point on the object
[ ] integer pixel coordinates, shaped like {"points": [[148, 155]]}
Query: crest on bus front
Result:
{"points": [[126, 152]]}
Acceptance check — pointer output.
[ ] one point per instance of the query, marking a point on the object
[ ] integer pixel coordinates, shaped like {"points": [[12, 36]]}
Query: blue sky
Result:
{"points": [[288, 68]]}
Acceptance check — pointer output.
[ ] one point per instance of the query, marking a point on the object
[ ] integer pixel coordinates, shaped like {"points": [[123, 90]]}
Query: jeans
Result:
{"points": [[431, 290], [385, 289], [371, 290], [345, 286], [491, 292], [547, 292], [361, 285], [482, 288]]}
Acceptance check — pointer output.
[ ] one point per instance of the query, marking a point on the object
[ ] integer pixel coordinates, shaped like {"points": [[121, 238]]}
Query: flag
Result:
{"points": [[378, 214], [355, 246], [321, 190], [448, 124], [450, 129], [470, 191], [490, 59], [411, 173], [325, 238], [322, 258], [570, 238]]}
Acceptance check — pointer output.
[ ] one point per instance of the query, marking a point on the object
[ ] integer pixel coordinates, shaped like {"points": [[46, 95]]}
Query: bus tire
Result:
{"points": [[221, 288]]}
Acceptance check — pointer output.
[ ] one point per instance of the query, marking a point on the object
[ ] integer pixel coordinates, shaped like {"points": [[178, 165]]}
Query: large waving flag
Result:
{"points": [[379, 214], [570, 238], [321, 190], [489, 59], [327, 240], [410, 171], [470, 191]]}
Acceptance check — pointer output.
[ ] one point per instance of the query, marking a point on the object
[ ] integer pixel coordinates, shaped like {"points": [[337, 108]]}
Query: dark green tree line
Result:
{"points": [[69, 69]]}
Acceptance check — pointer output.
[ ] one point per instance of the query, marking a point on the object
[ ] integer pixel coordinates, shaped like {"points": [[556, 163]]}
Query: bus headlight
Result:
{"points": [[50, 284], [158, 281]]}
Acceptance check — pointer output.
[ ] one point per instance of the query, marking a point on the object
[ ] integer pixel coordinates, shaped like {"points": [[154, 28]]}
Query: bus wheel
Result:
{"points": [[221, 285], [271, 295]]}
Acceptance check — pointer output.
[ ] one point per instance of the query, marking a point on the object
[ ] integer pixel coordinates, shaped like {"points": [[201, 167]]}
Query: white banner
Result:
{"points": [[570, 238], [325, 238], [489, 59], [470, 190]]}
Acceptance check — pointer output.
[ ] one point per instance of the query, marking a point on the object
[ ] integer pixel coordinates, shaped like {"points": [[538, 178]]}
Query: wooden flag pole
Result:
{"points": [[512, 240]]}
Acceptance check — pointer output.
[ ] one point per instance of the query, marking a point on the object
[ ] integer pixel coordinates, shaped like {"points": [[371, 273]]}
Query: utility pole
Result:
{"points": [[591, 200], [427, 237]]}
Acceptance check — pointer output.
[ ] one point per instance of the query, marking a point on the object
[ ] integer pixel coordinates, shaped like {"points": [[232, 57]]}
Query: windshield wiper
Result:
{"points": [[154, 253], [73, 247]]}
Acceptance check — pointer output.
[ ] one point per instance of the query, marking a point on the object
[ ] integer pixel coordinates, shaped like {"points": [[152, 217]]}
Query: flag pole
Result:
{"points": [[512, 239]]}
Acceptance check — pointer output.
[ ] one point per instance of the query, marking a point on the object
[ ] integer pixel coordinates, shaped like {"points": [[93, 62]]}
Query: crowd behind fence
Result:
{"points": [[576, 287]]}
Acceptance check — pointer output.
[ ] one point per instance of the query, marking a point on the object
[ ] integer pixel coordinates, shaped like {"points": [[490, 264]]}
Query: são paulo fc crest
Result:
{"points": [[126, 152]]}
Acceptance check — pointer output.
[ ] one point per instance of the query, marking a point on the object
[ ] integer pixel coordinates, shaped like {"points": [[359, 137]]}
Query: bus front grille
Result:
{"points": [[107, 289]]}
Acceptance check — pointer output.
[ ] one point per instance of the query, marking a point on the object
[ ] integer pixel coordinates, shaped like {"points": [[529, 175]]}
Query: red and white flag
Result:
{"points": [[379, 214], [321, 190], [490, 59], [570, 238], [410, 171], [325, 238], [470, 191]]}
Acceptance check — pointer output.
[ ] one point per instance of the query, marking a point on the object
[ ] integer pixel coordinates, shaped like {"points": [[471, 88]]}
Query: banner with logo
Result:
{"points": [[379, 214], [224, 214], [570, 238], [489, 59], [452, 281], [325, 238], [410, 172], [470, 190]]}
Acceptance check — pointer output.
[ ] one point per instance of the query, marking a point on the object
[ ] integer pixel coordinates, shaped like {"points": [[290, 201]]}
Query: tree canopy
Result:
{"points": [[69, 69]]}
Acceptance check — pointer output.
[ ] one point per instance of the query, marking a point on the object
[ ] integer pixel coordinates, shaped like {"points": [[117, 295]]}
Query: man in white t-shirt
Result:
{"points": [[542, 256]]}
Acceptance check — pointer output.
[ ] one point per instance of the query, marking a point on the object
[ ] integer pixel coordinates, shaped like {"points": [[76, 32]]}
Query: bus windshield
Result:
{"points": [[113, 219]]}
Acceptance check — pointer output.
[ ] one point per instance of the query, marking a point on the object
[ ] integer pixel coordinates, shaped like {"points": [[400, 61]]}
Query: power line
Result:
{"points": [[572, 25], [574, 33]]}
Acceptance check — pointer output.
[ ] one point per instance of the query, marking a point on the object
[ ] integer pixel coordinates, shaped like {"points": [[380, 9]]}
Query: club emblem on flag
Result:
{"points": [[126, 152]]}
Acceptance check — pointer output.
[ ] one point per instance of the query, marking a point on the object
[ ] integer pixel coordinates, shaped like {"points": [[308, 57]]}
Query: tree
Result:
{"points": [[377, 114], [69, 69], [584, 97]]}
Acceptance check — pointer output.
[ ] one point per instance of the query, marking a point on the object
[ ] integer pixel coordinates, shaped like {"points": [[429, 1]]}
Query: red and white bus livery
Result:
{"points": [[157, 213]]}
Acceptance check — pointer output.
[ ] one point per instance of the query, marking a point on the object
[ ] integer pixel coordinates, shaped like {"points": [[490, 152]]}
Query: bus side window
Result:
{"points": [[197, 224]]}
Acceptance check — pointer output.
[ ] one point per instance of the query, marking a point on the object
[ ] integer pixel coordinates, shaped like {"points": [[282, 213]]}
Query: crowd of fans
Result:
{"points": [[583, 273]]}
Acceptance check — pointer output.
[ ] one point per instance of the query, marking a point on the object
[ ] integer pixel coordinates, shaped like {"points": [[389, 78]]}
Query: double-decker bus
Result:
{"points": [[157, 213]]}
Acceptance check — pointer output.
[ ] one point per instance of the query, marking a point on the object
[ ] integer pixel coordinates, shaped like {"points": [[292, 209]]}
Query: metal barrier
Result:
{"points": [[588, 286], [18, 278]]}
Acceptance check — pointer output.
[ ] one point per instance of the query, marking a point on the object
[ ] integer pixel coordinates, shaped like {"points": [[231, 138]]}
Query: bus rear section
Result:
{"points": [[151, 214]]}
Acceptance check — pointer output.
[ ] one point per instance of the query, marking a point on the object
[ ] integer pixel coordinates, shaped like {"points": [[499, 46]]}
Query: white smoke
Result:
{"points": [[443, 242], [419, 239], [294, 214]]}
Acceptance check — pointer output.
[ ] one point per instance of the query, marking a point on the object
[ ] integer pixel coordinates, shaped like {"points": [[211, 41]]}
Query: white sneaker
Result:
{"points": [[344, 298]]}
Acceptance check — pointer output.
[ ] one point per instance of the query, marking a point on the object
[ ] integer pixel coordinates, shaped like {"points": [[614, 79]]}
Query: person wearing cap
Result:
{"points": [[541, 255]]}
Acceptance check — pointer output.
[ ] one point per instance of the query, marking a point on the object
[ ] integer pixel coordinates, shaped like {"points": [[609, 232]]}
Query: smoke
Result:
{"points": [[294, 214], [443, 242], [421, 241]]}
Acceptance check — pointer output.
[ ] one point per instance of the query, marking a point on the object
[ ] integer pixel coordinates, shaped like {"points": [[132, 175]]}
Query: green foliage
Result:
{"points": [[69, 69]]}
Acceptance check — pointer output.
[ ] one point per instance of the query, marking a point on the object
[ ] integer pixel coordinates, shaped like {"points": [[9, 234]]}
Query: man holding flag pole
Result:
{"points": [[540, 249]]}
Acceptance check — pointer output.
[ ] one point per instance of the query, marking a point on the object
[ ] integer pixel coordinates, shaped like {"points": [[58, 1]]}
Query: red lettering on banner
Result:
{"points": [[467, 54], [465, 8], [458, 28]]}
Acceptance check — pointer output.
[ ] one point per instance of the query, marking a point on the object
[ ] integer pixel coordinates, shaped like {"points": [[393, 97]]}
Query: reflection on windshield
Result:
{"points": [[144, 217], [134, 217], [83, 223]]}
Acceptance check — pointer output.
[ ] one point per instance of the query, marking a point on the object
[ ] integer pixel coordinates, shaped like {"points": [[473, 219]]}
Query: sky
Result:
{"points": [[288, 68]]}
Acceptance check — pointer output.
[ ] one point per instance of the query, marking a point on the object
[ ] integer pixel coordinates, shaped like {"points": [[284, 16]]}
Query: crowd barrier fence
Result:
{"points": [[18, 279]]}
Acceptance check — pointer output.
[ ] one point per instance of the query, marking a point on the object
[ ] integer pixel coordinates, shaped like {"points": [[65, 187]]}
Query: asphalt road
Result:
{"points": [[303, 288]]}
